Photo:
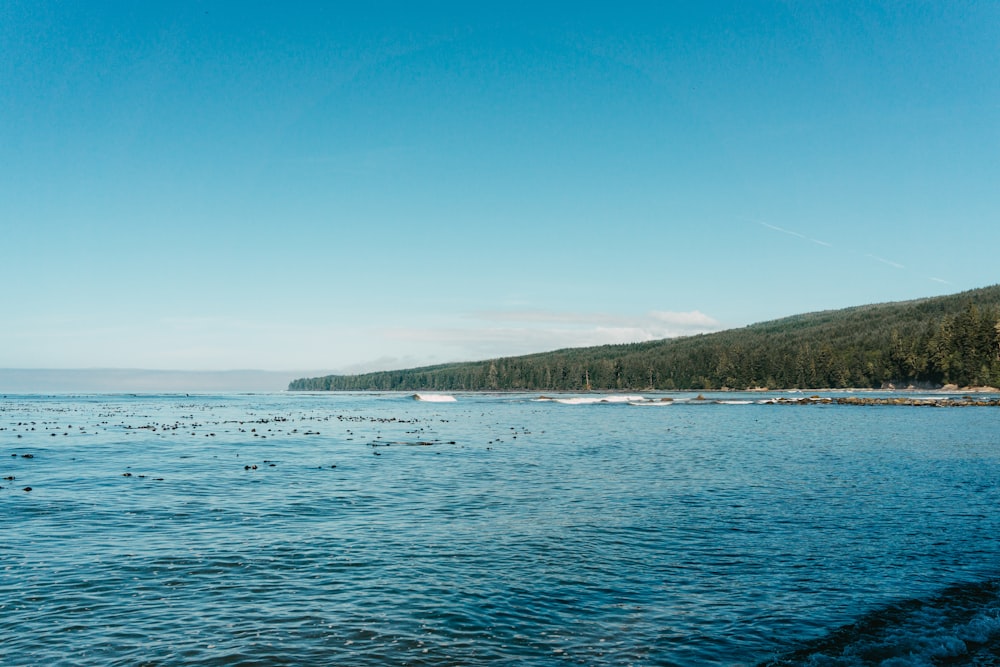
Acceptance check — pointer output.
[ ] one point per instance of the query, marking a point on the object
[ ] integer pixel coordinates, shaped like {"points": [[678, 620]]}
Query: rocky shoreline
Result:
{"points": [[932, 402]]}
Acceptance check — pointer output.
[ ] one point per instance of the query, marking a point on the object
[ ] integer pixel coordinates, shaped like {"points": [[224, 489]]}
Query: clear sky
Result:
{"points": [[352, 186]]}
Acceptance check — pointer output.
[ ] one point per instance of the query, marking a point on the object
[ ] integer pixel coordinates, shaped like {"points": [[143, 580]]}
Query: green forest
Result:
{"points": [[926, 343]]}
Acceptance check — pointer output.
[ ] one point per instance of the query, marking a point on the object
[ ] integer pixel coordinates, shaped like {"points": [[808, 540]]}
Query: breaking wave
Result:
{"points": [[593, 400], [434, 398]]}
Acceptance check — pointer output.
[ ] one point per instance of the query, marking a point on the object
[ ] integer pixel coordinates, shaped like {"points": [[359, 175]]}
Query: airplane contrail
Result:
{"points": [[891, 263], [796, 235], [882, 260]]}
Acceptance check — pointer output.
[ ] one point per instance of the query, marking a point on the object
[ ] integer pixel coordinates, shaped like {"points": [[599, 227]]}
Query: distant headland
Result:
{"points": [[925, 343]]}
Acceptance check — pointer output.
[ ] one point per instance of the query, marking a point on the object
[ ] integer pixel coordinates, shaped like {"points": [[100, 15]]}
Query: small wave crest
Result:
{"points": [[434, 398], [959, 626], [627, 399]]}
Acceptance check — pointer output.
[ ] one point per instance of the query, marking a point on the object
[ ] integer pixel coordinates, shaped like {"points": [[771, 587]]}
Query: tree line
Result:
{"points": [[928, 342]]}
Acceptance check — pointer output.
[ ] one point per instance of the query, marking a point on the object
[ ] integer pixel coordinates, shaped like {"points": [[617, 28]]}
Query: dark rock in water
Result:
{"points": [[27, 456], [920, 401], [27, 488]]}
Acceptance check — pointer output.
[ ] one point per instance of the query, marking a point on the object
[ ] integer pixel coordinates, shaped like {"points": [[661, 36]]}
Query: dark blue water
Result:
{"points": [[378, 530]]}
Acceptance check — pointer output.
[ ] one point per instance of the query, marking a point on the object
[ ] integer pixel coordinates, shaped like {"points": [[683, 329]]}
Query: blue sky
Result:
{"points": [[213, 185]]}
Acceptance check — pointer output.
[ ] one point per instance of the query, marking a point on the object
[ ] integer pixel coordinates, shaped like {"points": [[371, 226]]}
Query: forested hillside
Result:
{"points": [[929, 342]]}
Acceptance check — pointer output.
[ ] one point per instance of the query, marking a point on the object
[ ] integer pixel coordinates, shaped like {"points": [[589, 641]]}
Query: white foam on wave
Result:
{"points": [[577, 401], [434, 398], [654, 403], [929, 637], [593, 400]]}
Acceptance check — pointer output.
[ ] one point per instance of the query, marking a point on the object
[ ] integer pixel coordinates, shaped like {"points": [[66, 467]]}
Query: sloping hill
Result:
{"points": [[934, 341]]}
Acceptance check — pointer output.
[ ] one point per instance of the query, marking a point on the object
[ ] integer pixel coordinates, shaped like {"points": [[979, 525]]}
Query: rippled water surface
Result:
{"points": [[322, 529]]}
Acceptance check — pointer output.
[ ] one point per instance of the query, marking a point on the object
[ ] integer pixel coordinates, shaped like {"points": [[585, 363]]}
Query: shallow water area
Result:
{"points": [[372, 529]]}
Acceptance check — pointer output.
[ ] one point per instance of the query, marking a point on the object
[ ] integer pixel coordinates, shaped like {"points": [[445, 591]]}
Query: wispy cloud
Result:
{"points": [[691, 318], [535, 316], [694, 320], [939, 280], [507, 333], [383, 363]]}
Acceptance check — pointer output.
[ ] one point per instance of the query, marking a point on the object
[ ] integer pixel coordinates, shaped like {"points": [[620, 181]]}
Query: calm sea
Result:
{"points": [[375, 529]]}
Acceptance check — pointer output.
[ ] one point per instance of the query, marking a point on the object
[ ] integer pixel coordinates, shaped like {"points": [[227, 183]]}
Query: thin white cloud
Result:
{"points": [[481, 343], [509, 333], [383, 363], [694, 319], [522, 316], [939, 280], [655, 319]]}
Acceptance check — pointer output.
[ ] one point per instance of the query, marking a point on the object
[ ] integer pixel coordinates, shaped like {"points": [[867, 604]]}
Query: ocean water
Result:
{"points": [[375, 529]]}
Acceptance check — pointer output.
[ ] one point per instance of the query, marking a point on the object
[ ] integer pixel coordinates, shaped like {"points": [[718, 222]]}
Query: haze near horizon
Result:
{"points": [[214, 186]]}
